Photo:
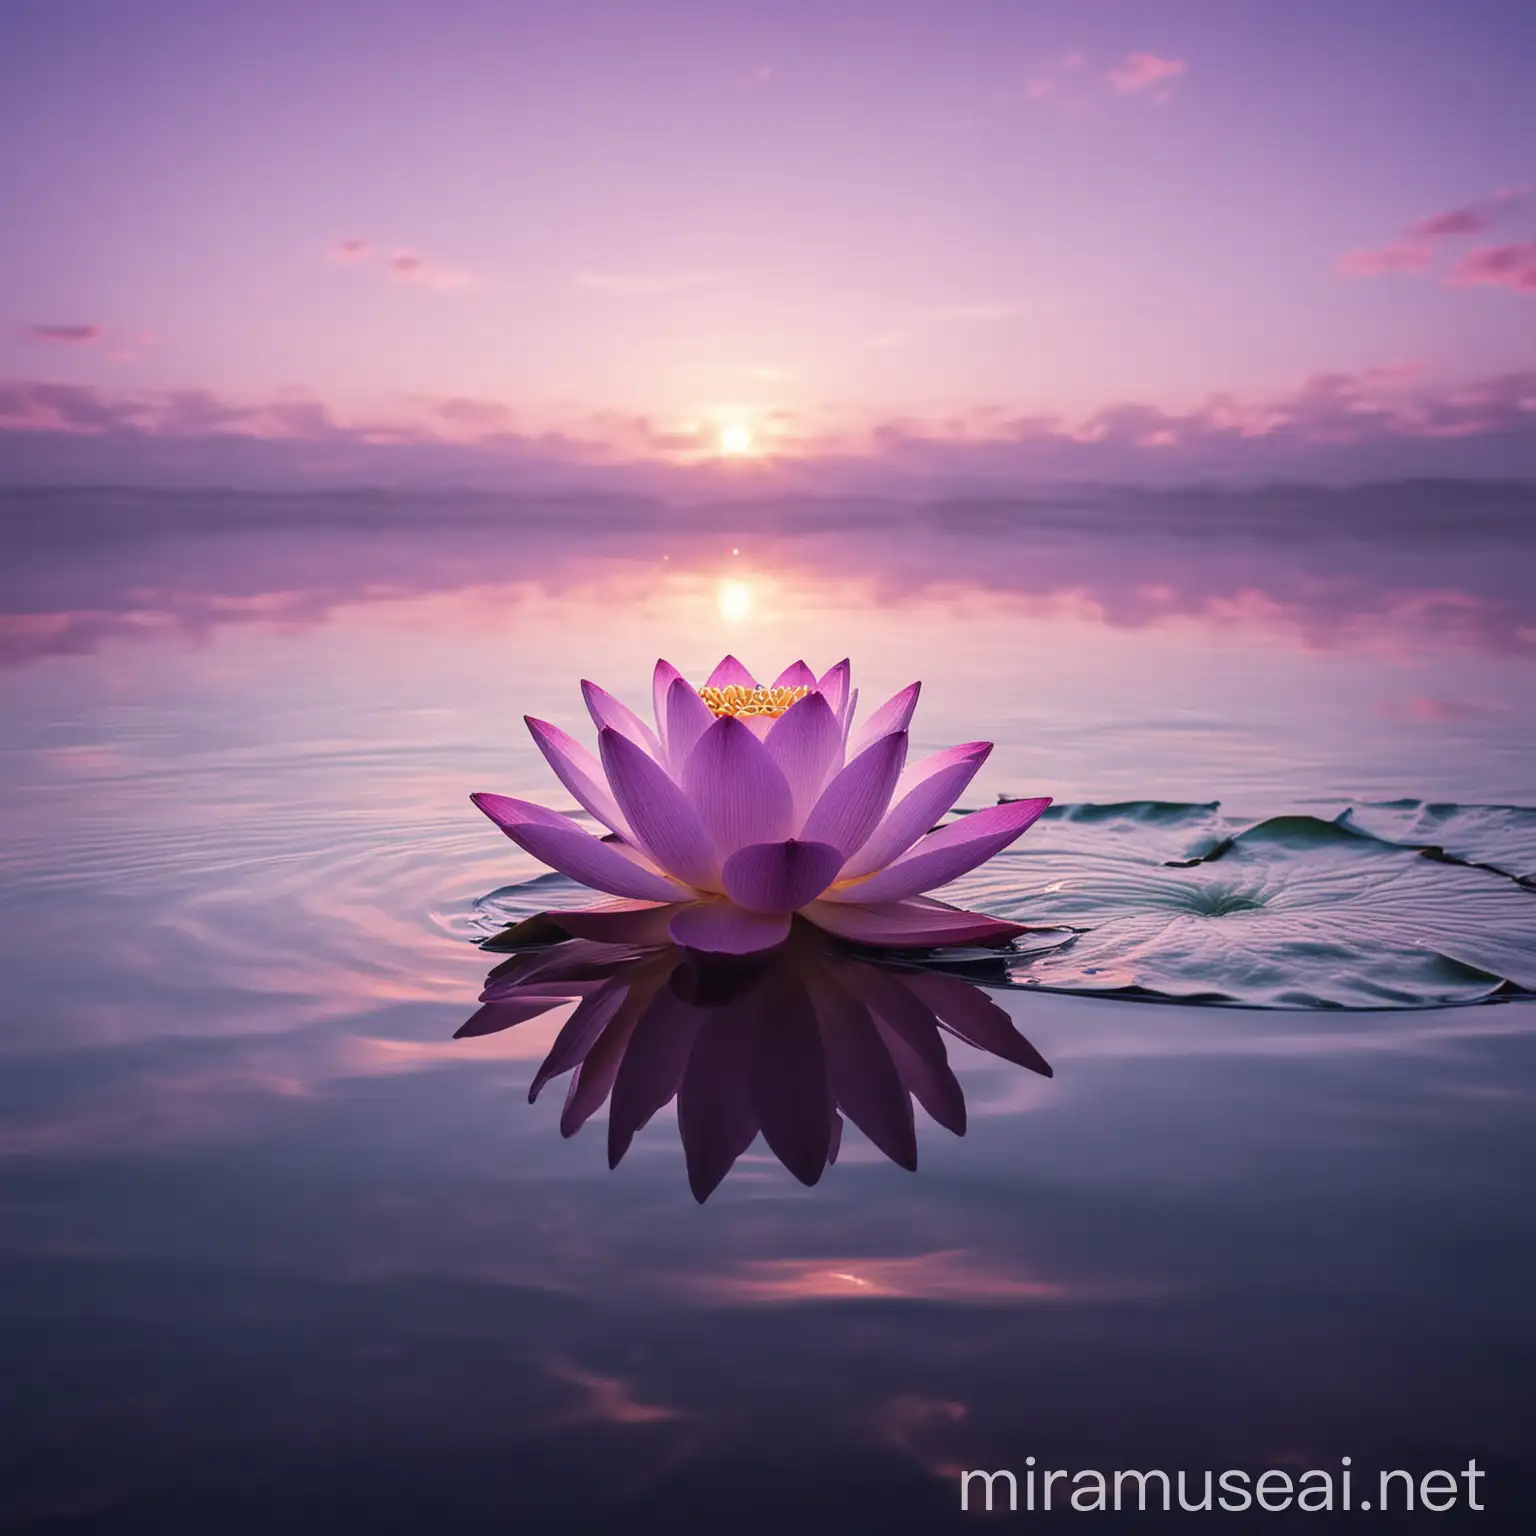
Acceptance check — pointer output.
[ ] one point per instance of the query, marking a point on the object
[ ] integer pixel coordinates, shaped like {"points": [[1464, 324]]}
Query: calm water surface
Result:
{"points": [[280, 1254]]}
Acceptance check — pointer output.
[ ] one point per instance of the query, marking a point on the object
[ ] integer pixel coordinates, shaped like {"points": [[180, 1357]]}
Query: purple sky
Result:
{"points": [[1061, 237]]}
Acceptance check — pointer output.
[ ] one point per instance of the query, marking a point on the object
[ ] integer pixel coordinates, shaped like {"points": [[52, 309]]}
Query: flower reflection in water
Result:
{"points": [[785, 1042]]}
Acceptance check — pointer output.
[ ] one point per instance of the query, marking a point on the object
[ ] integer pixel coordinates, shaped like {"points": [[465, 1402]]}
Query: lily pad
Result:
{"points": [[1499, 837], [1178, 901]]}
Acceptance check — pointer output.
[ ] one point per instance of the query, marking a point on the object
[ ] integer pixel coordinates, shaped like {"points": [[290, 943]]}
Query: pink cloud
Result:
{"points": [[1472, 219], [198, 413], [65, 335], [910, 1423], [607, 1399], [943, 1275], [1354, 425], [350, 252], [120, 346], [404, 266], [1413, 250], [178, 413], [409, 267], [36, 407], [131, 346], [1427, 711], [1072, 84], [1142, 71], [297, 418], [1376, 261], [1454, 221], [1504, 266], [1049, 78], [477, 418]]}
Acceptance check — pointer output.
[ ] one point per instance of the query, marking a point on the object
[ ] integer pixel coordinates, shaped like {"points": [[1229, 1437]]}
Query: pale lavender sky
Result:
{"points": [[637, 223]]}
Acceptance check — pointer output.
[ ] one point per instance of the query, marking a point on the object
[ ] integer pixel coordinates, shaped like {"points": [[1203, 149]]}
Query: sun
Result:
{"points": [[735, 439], [735, 599]]}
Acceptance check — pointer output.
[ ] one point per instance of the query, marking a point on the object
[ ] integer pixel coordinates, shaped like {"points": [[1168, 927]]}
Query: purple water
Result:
{"points": [[274, 1243]]}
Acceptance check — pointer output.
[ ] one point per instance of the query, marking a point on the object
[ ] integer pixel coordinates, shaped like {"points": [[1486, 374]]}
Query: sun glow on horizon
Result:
{"points": [[735, 600], [736, 440]]}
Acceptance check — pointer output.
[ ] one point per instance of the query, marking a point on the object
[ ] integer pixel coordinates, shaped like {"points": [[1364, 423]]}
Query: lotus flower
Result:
{"points": [[745, 805], [785, 1044]]}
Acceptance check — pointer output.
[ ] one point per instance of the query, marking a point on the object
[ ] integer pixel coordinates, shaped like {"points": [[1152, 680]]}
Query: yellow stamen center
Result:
{"points": [[734, 699]]}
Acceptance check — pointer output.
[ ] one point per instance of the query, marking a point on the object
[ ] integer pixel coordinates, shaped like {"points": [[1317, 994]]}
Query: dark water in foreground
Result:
{"points": [[281, 1254]]}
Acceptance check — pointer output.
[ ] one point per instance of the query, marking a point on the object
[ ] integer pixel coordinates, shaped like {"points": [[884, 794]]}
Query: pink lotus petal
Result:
{"points": [[634, 854], [947, 854], [910, 1029], [789, 1079], [687, 718], [721, 927], [507, 812], [737, 788], [886, 994], [833, 686], [515, 817], [601, 865], [547, 991], [861, 1075], [643, 861], [968, 1012], [580, 1033], [806, 742], [609, 711], [549, 967], [642, 923], [935, 784], [662, 679], [665, 822], [652, 1069], [779, 877], [915, 924], [851, 806], [715, 1114], [579, 771], [795, 675], [730, 671], [491, 1018], [594, 1077], [894, 715], [928, 1078], [924, 768]]}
